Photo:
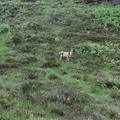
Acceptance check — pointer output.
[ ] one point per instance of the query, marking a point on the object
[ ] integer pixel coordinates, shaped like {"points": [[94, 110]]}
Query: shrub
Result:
{"points": [[94, 49], [5, 33], [108, 16], [4, 28]]}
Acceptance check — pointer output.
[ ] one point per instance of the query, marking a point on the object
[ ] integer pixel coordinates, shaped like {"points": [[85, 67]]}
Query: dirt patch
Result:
{"points": [[51, 63], [11, 60], [10, 65]]}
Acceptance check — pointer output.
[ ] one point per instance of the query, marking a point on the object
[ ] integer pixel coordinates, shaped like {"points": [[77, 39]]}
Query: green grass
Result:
{"points": [[32, 34], [108, 16]]}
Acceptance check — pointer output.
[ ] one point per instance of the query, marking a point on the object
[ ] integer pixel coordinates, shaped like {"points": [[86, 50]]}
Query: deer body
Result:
{"points": [[66, 55]]}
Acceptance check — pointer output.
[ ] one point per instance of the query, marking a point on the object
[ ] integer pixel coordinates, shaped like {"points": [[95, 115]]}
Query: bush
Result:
{"points": [[108, 16], [4, 28], [5, 33], [94, 49]]}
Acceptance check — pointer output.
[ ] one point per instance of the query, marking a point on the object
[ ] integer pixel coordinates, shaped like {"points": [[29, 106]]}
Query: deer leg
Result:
{"points": [[61, 57], [67, 58]]}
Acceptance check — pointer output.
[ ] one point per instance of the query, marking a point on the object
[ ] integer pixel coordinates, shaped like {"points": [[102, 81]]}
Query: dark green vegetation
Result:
{"points": [[35, 84]]}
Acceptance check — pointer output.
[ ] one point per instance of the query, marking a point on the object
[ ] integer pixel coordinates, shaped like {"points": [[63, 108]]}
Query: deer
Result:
{"points": [[66, 55]]}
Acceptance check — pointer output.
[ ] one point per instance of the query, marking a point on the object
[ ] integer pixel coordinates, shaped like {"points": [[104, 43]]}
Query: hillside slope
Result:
{"points": [[35, 84]]}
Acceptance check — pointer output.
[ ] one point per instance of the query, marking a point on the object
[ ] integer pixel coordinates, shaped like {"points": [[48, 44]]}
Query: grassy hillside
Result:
{"points": [[35, 84]]}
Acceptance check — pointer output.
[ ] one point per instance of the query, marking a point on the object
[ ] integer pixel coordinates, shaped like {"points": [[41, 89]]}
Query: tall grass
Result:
{"points": [[108, 16]]}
